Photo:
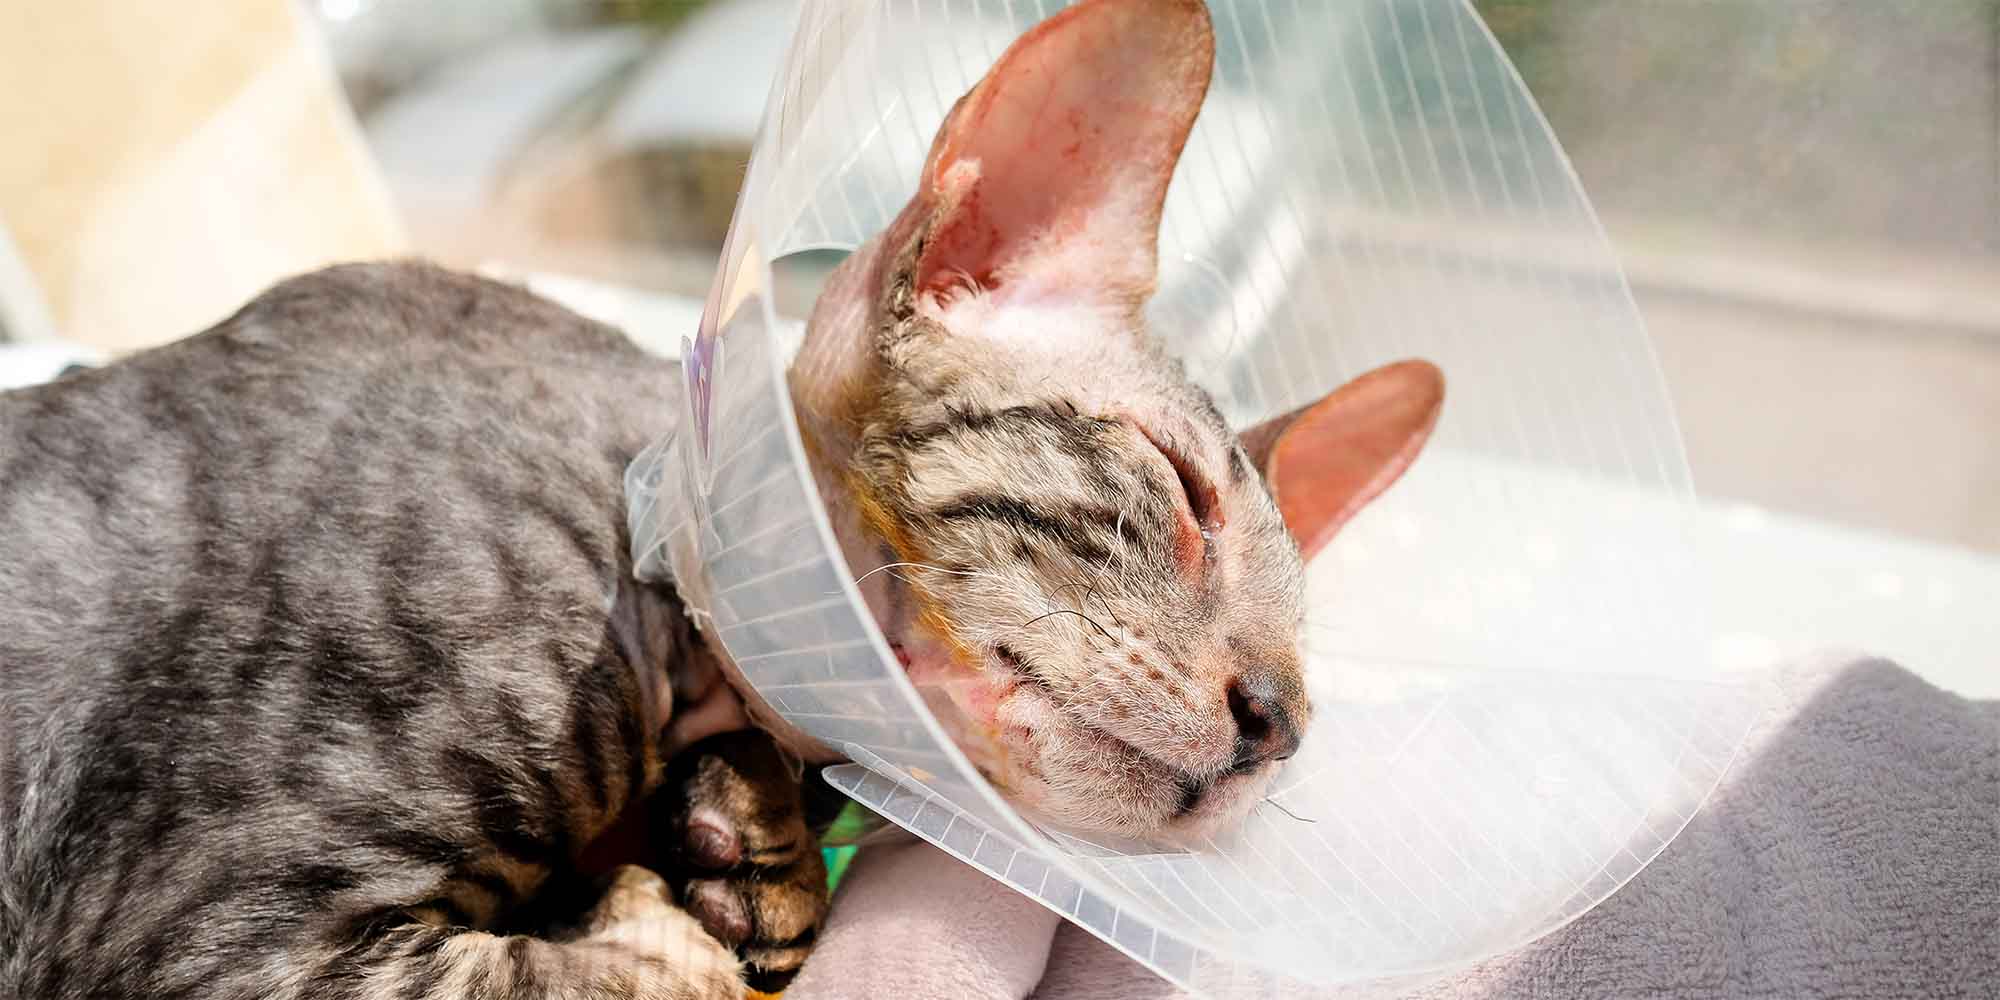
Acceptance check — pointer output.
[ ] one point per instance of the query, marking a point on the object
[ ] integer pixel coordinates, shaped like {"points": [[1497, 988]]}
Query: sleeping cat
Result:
{"points": [[323, 661]]}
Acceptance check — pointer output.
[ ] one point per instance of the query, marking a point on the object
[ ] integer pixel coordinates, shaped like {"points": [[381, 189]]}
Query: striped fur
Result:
{"points": [[322, 655]]}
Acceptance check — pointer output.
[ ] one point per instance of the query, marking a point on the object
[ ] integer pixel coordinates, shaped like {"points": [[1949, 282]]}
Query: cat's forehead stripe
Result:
{"points": [[1028, 442], [1072, 529], [1056, 415]]}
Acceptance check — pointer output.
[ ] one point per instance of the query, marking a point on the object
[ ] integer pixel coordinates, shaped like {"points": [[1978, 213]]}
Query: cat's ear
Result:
{"points": [[1049, 174], [1324, 461]]}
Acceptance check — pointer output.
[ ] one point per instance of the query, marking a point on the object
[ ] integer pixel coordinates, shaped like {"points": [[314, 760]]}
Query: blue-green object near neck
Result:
{"points": [[837, 844]]}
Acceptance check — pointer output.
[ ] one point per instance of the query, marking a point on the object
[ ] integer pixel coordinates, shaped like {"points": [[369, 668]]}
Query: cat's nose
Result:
{"points": [[1265, 729]]}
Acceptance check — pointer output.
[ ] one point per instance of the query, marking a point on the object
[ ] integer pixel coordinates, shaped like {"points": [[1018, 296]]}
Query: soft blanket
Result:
{"points": [[1853, 851]]}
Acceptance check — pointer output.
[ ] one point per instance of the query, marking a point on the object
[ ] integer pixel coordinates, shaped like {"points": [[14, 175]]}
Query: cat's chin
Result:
{"points": [[1162, 821], [1005, 725], [1219, 806]]}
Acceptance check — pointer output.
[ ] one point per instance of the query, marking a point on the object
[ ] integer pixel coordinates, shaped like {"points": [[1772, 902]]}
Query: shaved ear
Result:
{"points": [[1053, 169], [1326, 460]]}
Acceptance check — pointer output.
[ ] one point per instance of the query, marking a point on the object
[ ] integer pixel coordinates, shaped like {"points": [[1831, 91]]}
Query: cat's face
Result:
{"points": [[1104, 602], [1098, 585]]}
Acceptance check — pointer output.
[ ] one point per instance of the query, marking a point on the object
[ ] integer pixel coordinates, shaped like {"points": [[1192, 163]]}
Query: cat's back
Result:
{"points": [[321, 407], [230, 565]]}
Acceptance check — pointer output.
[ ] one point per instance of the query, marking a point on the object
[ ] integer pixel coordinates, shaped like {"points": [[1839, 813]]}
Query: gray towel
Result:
{"points": [[1853, 851]]}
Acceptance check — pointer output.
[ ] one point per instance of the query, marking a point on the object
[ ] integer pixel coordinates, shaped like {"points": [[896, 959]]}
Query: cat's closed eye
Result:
{"points": [[1201, 506]]}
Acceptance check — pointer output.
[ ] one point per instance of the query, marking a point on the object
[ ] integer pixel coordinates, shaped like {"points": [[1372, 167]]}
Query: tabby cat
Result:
{"points": [[324, 672]]}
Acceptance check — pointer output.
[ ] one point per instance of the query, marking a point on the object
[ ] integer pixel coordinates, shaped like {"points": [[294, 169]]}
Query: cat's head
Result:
{"points": [[1100, 582]]}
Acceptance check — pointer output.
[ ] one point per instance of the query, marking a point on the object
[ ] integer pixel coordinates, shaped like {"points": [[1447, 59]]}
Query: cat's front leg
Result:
{"points": [[634, 943]]}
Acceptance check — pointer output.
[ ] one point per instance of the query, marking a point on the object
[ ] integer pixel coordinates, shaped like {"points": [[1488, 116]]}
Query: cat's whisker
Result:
{"points": [[928, 566], [1089, 589], [1108, 609], [1275, 804], [1067, 611]]}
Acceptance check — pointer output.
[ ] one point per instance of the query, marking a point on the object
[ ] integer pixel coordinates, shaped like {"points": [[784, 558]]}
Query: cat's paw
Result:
{"points": [[744, 857], [676, 956]]}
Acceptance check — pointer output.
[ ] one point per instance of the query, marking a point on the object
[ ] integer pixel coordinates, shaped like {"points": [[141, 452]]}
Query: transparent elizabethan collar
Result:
{"points": [[1514, 703]]}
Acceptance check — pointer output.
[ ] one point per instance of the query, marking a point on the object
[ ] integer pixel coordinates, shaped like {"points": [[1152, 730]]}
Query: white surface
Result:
{"points": [[1783, 585], [657, 322], [38, 362]]}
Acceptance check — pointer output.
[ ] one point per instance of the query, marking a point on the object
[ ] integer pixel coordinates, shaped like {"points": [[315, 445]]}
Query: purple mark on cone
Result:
{"points": [[700, 359]]}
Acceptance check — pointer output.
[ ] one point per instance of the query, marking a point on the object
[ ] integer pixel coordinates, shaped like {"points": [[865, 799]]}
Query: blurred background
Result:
{"points": [[1805, 196]]}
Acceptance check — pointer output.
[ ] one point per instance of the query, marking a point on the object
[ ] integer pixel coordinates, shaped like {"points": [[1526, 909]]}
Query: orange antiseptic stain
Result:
{"points": [[932, 614]]}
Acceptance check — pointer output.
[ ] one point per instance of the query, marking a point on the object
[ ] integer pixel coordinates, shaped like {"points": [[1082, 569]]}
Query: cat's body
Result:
{"points": [[320, 638]]}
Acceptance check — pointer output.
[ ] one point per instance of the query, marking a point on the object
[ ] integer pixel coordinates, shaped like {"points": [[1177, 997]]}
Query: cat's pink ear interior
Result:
{"points": [[1326, 460], [1052, 171]]}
